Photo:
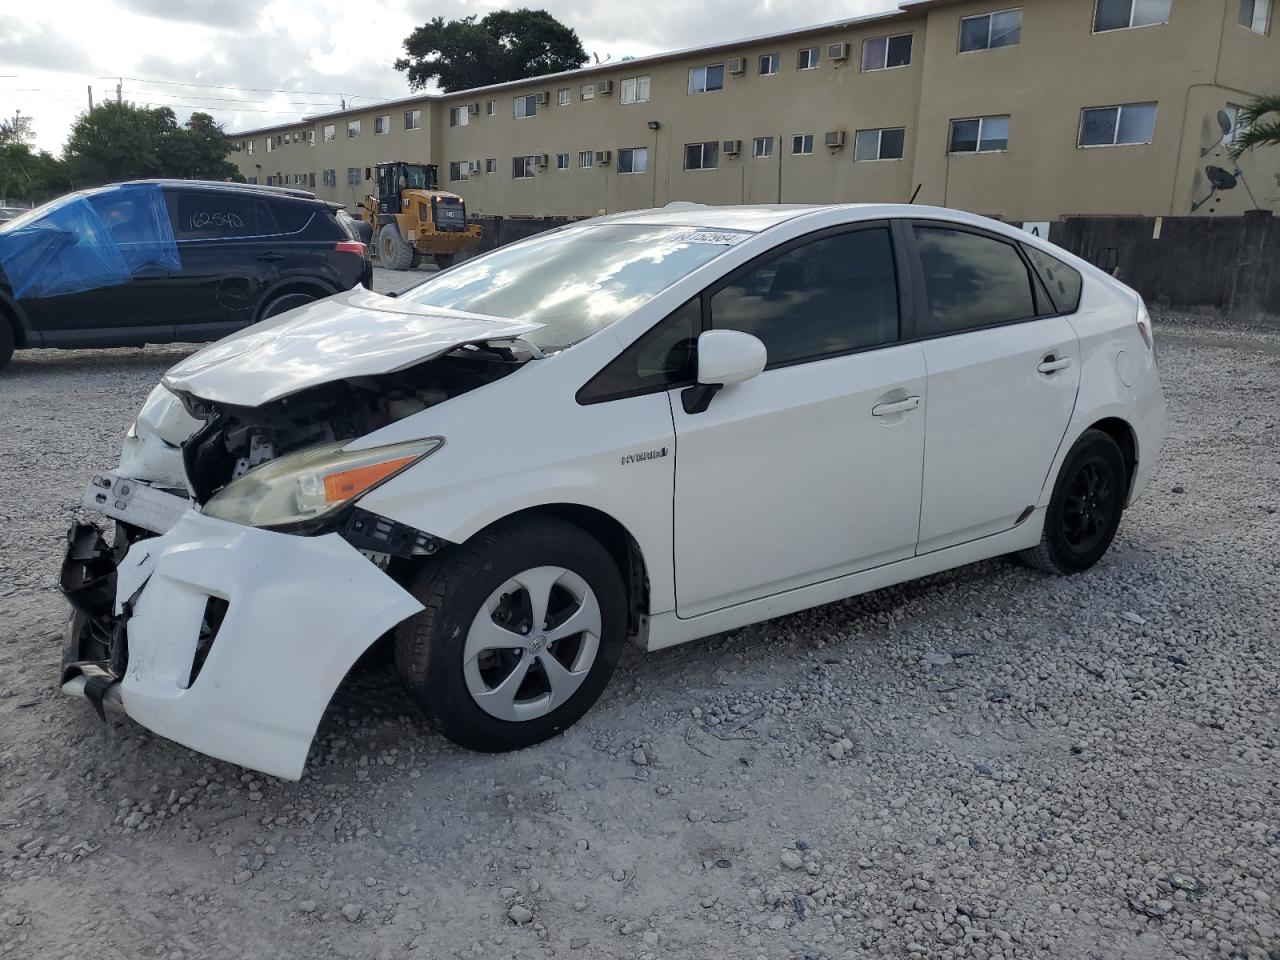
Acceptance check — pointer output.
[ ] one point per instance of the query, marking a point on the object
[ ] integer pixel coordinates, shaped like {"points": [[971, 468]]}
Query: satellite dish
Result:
{"points": [[1224, 122], [1220, 179]]}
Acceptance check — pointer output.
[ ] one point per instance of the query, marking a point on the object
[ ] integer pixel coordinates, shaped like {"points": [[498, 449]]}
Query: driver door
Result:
{"points": [[811, 470]]}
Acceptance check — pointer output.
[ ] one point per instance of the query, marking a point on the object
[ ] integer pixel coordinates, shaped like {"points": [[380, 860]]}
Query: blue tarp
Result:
{"points": [[88, 240]]}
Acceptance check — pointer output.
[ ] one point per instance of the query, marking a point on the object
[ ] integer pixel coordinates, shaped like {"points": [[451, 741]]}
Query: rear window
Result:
{"points": [[218, 215], [292, 216], [1062, 282]]}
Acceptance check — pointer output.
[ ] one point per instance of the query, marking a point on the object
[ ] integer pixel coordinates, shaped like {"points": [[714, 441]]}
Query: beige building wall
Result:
{"points": [[1197, 63]]}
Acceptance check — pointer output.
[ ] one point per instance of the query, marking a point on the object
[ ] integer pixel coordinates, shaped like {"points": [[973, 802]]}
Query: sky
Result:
{"points": [[251, 63]]}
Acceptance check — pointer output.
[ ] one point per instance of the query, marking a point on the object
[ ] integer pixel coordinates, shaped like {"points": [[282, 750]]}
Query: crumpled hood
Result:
{"points": [[353, 334]]}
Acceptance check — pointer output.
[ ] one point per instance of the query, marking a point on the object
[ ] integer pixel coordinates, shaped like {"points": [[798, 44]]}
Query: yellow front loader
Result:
{"points": [[412, 218]]}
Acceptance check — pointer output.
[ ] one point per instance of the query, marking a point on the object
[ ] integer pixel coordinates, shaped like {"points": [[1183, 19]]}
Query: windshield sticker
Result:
{"points": [[722, 237]]}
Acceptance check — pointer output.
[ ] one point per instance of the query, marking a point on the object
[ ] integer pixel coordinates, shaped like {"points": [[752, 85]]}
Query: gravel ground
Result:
{"points": [[987, 763]]}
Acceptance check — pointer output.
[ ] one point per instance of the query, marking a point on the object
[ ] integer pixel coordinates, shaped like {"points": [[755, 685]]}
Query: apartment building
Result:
{"points": [[1026, 112]]}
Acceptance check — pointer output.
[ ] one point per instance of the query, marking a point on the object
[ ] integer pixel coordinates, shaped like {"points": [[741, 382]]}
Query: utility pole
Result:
{"points": [[119, 88], [91, 98]]}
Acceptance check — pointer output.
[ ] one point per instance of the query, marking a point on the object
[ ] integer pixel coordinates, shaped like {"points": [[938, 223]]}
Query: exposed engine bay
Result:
{"points": [[236, 439]]}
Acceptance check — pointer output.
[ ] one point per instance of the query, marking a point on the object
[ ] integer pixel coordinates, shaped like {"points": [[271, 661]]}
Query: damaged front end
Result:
{"points": [[225, 613]]}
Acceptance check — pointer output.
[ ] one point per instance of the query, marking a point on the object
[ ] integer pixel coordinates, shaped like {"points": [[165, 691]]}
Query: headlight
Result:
{"points": [[310, 483]]}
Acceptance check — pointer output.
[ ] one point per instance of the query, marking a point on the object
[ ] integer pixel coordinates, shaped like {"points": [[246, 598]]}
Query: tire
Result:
{"points": [[469, 591], [6, 342], [445, 260], [393, 252], [1085, 509], [416, 260], [286, 301]]}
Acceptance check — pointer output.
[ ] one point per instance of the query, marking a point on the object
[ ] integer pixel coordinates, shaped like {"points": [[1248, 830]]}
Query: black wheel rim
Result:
{"points": [[1090, 505]]}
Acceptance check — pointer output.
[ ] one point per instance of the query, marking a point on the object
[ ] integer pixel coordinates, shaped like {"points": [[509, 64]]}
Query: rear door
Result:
{"points": [[226, 240], [1003, 374]]}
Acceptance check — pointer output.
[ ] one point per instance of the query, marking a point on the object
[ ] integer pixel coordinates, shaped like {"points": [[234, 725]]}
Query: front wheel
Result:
{"points": [[522, 629], [1084, 511], [394, 252]]}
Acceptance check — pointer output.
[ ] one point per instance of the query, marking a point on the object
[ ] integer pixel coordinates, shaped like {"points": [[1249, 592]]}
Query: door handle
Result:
{"points": [[271, 256], [1052, 364], [897, 406]]}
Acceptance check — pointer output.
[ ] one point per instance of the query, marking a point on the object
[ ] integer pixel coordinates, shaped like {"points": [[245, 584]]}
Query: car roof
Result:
{"points": [[220, 185]]}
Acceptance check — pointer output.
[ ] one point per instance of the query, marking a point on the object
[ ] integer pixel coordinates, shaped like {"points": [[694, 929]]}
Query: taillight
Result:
{"points": [[351, 246], [1144, 326]]}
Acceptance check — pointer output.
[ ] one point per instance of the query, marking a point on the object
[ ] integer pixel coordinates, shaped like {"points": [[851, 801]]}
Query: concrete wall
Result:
{"points": [[1198, 62]]}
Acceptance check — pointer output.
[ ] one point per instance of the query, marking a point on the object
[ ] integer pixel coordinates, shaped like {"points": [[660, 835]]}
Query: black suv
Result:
{"points": [[162, 261]]}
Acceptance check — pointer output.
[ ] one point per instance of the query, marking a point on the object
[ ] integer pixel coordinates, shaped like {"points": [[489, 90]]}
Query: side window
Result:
{"points": [[972, 280], [1062, 282], [828, 296], [218, 215], [291, 216], [661, 358]]}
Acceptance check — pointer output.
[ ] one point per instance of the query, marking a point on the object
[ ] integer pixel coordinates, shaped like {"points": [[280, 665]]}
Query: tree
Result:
{"points": [[16, 131], [122, 141], [1254, 129], [30, 176], [504, 45]]}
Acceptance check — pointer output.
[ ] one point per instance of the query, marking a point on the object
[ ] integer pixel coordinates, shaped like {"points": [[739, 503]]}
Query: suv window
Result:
{"points": [[972, 280], [825, 297], [219, 215], [664, 357], [292, 215], [1062, 282]]}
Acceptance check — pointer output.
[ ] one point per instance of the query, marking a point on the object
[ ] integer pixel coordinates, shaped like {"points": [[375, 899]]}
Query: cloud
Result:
{"points": [[222, 14]]}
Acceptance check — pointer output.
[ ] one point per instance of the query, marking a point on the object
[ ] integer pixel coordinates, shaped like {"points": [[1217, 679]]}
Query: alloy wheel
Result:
{"points": [[532, 644], [1089, 505]]}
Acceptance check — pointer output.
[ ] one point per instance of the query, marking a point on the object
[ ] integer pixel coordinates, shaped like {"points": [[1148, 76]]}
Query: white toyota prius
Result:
{"points": [[653, 426]]}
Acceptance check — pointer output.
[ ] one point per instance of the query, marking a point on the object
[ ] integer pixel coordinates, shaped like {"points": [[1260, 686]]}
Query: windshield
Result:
{"points": [[30, 216], [577, 280], [415, 176]]}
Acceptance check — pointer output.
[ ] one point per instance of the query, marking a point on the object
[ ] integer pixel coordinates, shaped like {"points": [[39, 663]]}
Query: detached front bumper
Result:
{"points": [[225, 638]]}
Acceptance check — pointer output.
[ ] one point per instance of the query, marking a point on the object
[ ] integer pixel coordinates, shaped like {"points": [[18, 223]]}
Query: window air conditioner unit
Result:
{"points": [[736, 65], [542, 160], [473, 109], [731, 148], [473, 168], [837, 51], [604, 158], [543, 98], [604, 87], [834, 139]]}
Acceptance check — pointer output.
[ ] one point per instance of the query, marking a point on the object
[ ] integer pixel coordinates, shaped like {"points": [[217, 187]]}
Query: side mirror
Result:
{"points": [[725, 357]]}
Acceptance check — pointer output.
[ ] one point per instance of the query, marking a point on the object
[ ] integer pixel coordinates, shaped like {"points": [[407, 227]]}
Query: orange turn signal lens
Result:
{"points": [[346, 484]]}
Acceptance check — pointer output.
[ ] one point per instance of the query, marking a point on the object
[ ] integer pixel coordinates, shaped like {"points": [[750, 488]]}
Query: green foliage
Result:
{"points": [[1259, 125], [26, 175], [504, 45], [16, 131], [121, 141]]}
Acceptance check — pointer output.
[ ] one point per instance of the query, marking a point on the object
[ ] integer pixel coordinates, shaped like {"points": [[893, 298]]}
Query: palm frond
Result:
{"points": [[1253, 130]]}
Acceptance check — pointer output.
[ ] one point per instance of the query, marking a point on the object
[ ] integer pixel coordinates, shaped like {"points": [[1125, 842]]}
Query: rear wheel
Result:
{"points": [[521, 631], [286, 301], [416, 260], [393, 251], [1084, 511], [6, 342], [445, 260]]}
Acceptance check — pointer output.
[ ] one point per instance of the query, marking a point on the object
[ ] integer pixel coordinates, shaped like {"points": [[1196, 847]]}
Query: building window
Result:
{"points": [[311, 138], [330, 178], [562, 161], [562, 96], [329, 133], [633, 160], [802, 143], [807, 59], [311, 181], [635, 90], [353, 176], [526, 106], [702, 156], [271, 145], [248, 147], [458, 170], [491, 165], [1127, 123], [353, 129], [585, 159], [588, 91], [991, 30], [883, 144], [458, 116], [382, 125], [522, 168], [253, 180], [704, 79], [882, 53], [1123, 14], [762, 147], [769, 64], [412, 119], [979, 135], [491, 108], [1256, 15]]}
